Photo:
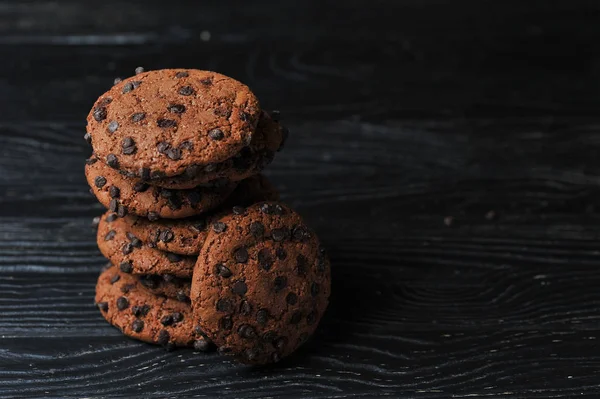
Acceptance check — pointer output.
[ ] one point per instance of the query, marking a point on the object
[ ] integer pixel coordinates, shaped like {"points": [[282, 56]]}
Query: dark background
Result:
{"points": [[403, 114]]}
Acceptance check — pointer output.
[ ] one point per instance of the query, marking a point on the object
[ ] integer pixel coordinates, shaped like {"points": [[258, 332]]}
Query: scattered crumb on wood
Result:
{"points": [[449, 221], [490, 215]]}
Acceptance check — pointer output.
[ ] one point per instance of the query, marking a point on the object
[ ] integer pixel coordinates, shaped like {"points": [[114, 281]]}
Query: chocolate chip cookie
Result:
{"points": [[127, 251], [143, 316], [123, 195], [249, 161], [158, 123], [261, 283], [186, 236]]}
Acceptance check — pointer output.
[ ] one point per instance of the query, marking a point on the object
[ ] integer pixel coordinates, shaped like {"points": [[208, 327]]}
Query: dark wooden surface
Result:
{"points": [[403, 113]]}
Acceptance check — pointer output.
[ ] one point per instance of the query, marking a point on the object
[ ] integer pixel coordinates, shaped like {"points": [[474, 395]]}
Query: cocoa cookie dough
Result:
{"points": [[123, 195], [127, 251], [167, 285], [186, 236], [158, 123], [261, 283], [143, 316], [268, 139]]}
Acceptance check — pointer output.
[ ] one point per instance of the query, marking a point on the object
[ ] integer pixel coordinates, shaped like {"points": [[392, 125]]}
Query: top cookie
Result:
{"points": [[157, 123]]}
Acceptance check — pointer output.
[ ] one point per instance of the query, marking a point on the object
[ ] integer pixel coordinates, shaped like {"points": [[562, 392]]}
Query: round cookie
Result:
{"points": [[122, 195], [143, 316], [127, 251], [186, 236], [268, 139], [261, 283], [167, 285], [158, 123]]}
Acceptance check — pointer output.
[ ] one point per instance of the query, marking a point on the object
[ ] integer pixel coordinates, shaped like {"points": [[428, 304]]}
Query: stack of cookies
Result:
{"points": [[201, 252]]}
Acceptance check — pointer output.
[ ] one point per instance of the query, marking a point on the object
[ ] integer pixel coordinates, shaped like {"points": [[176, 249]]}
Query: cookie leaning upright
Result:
{"points": [[157, 124], [261, 283]]}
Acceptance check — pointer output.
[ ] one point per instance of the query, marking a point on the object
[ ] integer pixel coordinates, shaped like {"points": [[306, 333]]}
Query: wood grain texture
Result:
{"points": [[403, 113]]}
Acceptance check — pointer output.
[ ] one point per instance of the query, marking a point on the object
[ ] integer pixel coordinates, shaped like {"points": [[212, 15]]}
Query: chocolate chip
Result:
{"points": [[113, 204], [257, 229], [174, 257], [126, 267], [162, 147], [175, 202], [115, 278], [117, 81], [240, 255], [202, 345], [166, 236], [177, 317], [182, 74], [103, 306], [219, 227], [239, 287], [275, 115], [279, 283], [216, 134], [194, 197], [174, 154], [279, 234], [169, 278], [122, 211], [163, 338], [311, 318], [251, 354], [262, 316], [128, 146], [291, 298], [100, 181], [224, 305], [222, 270], [222, 112], [137, 325], [296, 317], [122, 303], [206, 81], [226, 323], [244, 116], [166, 320], [149, 281], [140, 311], [186, 145], [176, 108], [139, 70], [238, 210], [199, 226], [186, 91], [110, 235], [246, 331], [271, 209], [112, 161], [87, 137], [144, 173], [269, 336], [301, 265], [182, 297], [275, 357], [303, 338], [265, 260], [153, 216], [280, 343], [99, 113], [245, 308], [91, 161], [136, 242], [127, 87], [127, 249], [111, 218], [211, 167], [138, 116], [314, 289], [113, 126], [300, 233], [166, 123], [140, 187], [114, 192], [136, 84]]}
